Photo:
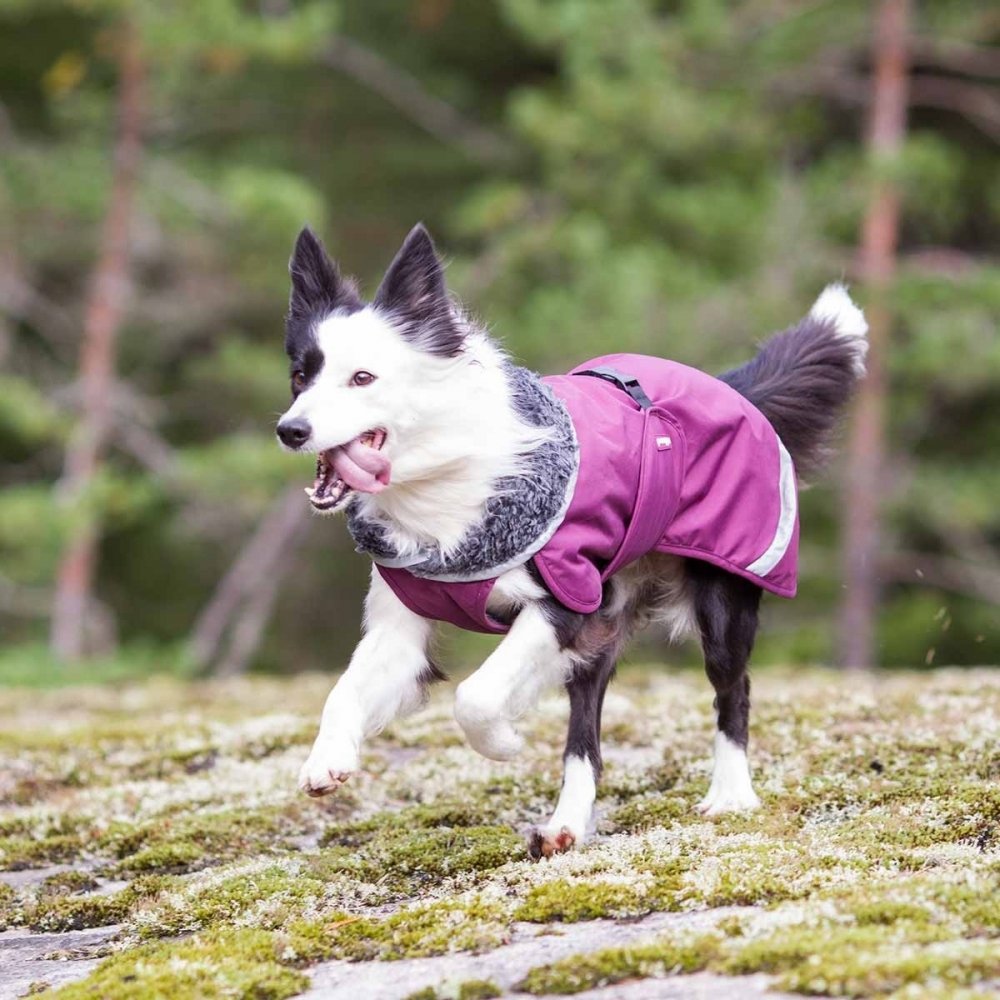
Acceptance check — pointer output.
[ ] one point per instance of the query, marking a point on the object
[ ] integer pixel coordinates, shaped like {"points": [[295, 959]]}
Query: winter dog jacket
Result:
{"points": [[670, 459]]}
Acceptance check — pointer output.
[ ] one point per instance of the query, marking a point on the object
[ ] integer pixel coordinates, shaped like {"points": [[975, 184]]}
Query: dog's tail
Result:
{"points": [[802, 378]]}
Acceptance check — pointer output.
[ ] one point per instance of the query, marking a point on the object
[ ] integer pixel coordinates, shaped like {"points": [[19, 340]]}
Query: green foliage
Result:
{"points": [[35, 666], [684, 179], [697, 182]]}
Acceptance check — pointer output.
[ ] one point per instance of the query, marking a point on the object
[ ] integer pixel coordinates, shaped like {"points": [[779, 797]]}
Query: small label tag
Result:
{"points": [[663, 443]]}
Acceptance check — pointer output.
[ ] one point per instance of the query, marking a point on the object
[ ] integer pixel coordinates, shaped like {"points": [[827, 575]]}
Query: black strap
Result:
{"points": [[627, 382]]}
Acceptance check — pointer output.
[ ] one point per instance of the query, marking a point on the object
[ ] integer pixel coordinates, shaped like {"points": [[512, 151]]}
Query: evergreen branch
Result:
{"points": [[972, 101], [408, 95], [975, 102], [957, 57], [946, 572], [24, 303]]}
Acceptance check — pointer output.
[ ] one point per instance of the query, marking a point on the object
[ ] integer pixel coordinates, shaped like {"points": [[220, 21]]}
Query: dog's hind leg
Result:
{"points": [[581, 761], [726, 611]]}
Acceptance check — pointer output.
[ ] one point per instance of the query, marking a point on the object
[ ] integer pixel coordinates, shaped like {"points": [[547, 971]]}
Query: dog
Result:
{"points": [[565, 512]]}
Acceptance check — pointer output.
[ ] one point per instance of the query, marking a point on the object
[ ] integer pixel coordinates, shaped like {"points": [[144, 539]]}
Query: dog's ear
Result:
{"points": [[316, 283], [414, 295]]}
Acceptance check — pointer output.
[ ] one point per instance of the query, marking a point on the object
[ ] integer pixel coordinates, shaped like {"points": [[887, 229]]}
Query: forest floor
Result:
{"points": [[153, 844]]}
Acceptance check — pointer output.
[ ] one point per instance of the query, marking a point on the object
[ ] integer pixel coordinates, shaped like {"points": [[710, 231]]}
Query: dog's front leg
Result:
{"points": [[508, 684], [387, 677]]}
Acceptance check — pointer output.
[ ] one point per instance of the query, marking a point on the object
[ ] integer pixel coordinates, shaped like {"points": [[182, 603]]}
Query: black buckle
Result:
{"points": [[627, 382]]}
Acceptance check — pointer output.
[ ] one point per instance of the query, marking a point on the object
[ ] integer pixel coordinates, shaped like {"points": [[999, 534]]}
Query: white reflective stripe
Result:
{"points": [[786, 519]]}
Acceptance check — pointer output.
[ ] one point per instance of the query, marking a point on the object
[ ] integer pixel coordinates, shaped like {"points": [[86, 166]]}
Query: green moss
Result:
{"points": [[405, 860], [666, 777], [217, 965], [650, 811], [471, 989], [63, 883], [865, 974], [173, 856], [884, 912], [190, 842], [569, 902], [731, 926], [9, 906], [970, 908], [893, 866], [19, 852], [451, 814], [614, 965], [753, 886], [61, 912], [275, 896], [478, 989], [415, 932]]}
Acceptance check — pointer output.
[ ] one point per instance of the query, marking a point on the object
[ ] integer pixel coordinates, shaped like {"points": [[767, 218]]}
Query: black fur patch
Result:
{"points": [[318, 291], [414, 297], [801, 380], [586, 690], [726, 606]]}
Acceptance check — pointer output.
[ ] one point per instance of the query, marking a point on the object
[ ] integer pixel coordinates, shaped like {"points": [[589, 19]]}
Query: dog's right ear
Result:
{"points": [[413, 293], [316, 283]]}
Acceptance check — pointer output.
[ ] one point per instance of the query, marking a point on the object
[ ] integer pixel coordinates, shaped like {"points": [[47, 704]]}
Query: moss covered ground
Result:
{"points": [[167, 813]]}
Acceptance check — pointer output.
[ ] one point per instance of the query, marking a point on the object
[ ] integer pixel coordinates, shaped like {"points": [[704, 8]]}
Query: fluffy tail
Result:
{"points": [[802, 378]]}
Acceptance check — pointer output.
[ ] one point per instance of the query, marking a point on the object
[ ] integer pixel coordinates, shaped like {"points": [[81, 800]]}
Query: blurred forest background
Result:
{"points": [[678, 177]]}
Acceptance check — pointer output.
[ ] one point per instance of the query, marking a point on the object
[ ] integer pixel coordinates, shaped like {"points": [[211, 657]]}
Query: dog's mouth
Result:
{"points": [[357, 465]]}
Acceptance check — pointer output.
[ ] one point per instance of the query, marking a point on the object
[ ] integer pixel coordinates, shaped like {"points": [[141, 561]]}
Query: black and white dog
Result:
{"points": [[414, 415]]}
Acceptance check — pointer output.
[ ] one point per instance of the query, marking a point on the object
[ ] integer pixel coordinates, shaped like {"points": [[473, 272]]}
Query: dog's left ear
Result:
{"points": [[414, 295], [317, 285]]}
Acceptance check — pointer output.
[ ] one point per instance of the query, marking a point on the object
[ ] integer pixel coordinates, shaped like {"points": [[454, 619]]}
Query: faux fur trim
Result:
{"points": [[519, 518]]}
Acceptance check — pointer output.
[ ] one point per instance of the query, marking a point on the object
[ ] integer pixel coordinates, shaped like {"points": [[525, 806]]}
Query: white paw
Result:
{"points": [[731, 789], [488, 731], [498, 740], [728, 800], [544, 841], [327, 768]]}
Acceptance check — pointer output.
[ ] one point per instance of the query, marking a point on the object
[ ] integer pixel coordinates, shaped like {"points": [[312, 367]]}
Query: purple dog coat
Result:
{"points": [[670, 460]]}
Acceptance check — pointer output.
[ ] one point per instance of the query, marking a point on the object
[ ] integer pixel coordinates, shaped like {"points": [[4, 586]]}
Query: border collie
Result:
{"points": [[563, 511]]}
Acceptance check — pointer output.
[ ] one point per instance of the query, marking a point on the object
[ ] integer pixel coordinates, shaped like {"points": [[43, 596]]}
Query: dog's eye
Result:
{"points": [[299, 379], [362, 378]]}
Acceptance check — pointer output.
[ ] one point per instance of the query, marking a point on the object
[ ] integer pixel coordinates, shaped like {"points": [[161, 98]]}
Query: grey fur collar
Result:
{"points": [[521, 515]]}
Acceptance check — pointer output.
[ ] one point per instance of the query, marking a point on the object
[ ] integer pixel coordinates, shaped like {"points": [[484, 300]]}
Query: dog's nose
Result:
{"points": [[294, 433]]}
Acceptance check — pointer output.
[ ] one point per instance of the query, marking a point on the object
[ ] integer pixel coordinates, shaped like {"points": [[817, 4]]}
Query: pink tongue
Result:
{"points": [[361, 467]]}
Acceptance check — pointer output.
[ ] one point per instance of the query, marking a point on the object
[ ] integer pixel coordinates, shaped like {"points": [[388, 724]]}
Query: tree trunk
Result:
{"points": [[866, 450], [103, 317]]}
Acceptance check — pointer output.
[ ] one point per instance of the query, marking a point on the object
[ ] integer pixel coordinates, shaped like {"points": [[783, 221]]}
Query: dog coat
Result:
{"points": [[670, 459]]}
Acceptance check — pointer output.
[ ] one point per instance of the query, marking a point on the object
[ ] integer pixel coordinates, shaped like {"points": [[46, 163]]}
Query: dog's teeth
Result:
{"points": [[309, 491]]}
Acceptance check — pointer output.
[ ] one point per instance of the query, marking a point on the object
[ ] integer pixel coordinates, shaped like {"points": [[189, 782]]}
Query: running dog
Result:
{"points": [[563, 512]]}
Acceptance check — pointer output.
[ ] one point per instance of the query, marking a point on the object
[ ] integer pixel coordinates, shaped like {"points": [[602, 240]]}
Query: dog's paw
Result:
{"points": [[545, 841], [728, 800], [488, 732], [497, 741], [325, 771]]}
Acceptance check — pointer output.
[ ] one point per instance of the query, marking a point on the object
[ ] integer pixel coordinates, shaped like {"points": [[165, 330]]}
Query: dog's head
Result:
{"points": [[363, 374]]}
